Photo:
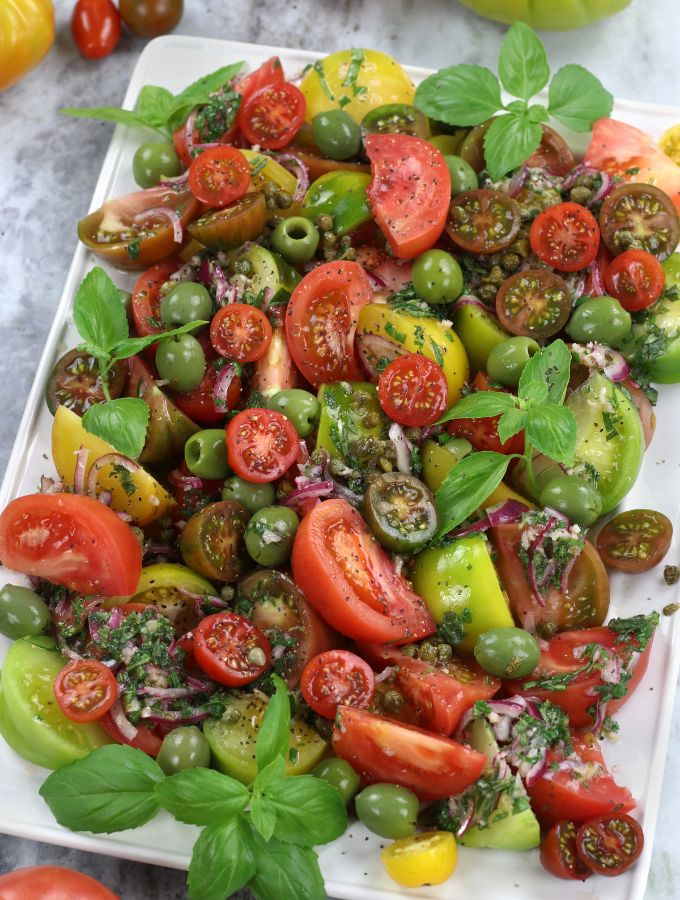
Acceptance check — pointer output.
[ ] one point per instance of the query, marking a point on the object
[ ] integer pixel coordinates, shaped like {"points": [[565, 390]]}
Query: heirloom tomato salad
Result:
{"points": [[336, 484]]}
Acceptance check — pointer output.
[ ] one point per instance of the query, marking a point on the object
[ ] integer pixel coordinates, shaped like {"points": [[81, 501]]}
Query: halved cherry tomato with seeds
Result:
{"points": [[636, 540], [229, 228], [219, 176], [212, 542], [240, 331], [483, 221], [85, 690], [535, 303], [269, 73], [75, 382], [636, 278], [261, 445], [565, 236], [610, 845], [230, 649], [641, 216], [146, 297], [553, 154], [413, 390], [271, 116], [559, 856], [337, 677]]}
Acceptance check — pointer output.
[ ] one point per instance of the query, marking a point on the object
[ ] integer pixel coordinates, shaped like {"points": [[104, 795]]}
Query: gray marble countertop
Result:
{"points": [[49, 166]]}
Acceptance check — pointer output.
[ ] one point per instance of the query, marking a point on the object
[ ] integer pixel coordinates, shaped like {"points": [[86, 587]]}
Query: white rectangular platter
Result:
{"points": [[352, 866]]}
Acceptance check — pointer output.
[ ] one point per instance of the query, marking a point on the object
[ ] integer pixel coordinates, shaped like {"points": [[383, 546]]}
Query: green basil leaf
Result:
{"points": [[285, 872], [98, 313], [154, 105], [270, 775], [133, 346], [110, 789], [551, 366], [209, 83], [274, 734], [510, 423], [121, 422], [467, 485], [263, 816], [523, 65], [223, 860], [460, 95], [202, 796], [537, 394], [551, 430], [110, 114], [538, 113], [509, 140], [309, 811], [479, 405], [577, 98]]}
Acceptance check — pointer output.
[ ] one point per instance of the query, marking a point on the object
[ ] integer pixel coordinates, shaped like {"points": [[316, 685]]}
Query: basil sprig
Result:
{"points": [[469, 95]]}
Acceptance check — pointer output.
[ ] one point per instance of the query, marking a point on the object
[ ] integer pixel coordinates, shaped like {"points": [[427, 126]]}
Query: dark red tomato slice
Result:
{"points": [[559, 856], [553, 154], [636, 278], [610, 845], [269, 73], [483, 433], [275, 371], [413, 391], [410, 191], [271, 116], [230, 649], [351, 581], [321, 321], [146, 297], [85, 689], [219, 176], [565, 237], [335, 678], [535, 303], [642, 216], [635, 540], [240, 331], [52, 883], [95, 26], [147, 739], [563, 656], [72, 540], [200, 404], [483, 221], [383, 750], [261, 445]]}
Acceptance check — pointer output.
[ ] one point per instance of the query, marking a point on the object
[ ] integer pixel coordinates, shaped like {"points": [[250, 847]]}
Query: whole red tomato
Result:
{"points": [[149, 18], [52, 883], [95, 26]]}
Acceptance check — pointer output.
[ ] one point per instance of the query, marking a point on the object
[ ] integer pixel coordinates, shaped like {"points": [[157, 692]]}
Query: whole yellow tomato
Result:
{"points": [[26, 34]]}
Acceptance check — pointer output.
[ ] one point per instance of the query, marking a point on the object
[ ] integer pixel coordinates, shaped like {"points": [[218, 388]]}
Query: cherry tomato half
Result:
{"points": [[199, 404], [553, 154], [610, 845], [535, 303], [640, 215], [230, 649], [269, 73], [148, 738], [483, 433], [636, 279], [146, 297], [635, 541], [271, 116], [95, 26], [240, 331], [483, 221], [413, 391], [85, 689], [337, 677], [559, 856], [219, 176], [565, 237], [261, 445]]}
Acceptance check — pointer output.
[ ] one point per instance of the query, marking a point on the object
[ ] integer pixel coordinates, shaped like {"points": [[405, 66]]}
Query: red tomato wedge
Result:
{"points": [[337, 677], [383, 750], [71, 540], [146, 298], [321, 321], [410, 191], [270, 72], [271, 116], [351, 581], [147, 739], [618, 148]]}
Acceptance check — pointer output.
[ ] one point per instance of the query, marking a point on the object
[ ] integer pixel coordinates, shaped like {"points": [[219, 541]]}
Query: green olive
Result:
{"points": [[22, 612], [388, 810], [185, 302], [600, 319], [180, 361], [205, 454], [448, 144], [575, 497], [183, 748], [153, 161], [463, 176], [269, 535], [400, 511], [340, 774], [336, 134], [301, 408], [437, 277], [252, 496], [396, 118], [507, 652], [507, 360], [296, 239]]}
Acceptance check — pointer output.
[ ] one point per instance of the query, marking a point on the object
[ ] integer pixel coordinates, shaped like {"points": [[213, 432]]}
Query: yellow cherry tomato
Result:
{"points": [[670, 143], [428, 858], [26, 34], [357, 81]]}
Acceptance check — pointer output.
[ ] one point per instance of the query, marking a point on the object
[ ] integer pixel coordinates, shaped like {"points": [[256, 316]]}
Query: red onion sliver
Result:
{"points": [[402, 447], [79, 473], [188, 482], [509, 511], [571, 177], [471, 300], [286, 159], [108, 459], [604, 189], [222, 384], [121, 721], [115, 618], [537, 769], [165, 213], [517, 181]]}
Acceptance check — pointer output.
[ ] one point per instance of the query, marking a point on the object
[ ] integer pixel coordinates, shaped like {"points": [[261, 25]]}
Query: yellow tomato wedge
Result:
{"points": [[264, 169], [428, 858], [670, 143], [149, 500]]}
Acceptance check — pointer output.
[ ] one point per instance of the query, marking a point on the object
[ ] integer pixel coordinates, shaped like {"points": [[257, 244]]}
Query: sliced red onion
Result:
{"points": [[222, 384], [576, 284], [597, 288], [537, 769], [165, 213], [471, 300], [115, 618], [191, 594], [517, 181], [50, 485], [174, 717], [549, 571], [64, 648], [472, 528], [93, 628], [402, 447], [373, 348], [604, 189], [175, 180], [315, 489], [386, 674], [571, 177], [303, 455], [225, 293], [467, 819], [288, 160], [502, 729], [188, 482], [105, 497], [598, 356], [160, 550], [121, 721], [376, 282], [79, 471], [199, 684], [513, 707], [107, 459], [611, 671], [165, 693], [566, 572], [509, 511], [600, 714]]}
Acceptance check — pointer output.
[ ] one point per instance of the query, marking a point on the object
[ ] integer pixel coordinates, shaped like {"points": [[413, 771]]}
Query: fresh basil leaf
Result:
{"points": [[536, 394], [154, 105], [510, 140], [263, 816], [523, 65], [538, 113], [510, 423], [271, 774], [122, 423], [98, 313], [467, 485], [202, 796], [308, 811], [551, 366], [551, 430], [209, 83], [285, 872], [479, 405], [110, 114], [460, 95], [133, 346], [577, 98], [110, 789], [223, 860], [274, 734]]}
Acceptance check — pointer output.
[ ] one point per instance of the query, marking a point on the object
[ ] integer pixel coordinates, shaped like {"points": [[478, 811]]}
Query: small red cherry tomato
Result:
{"points": [[565, 236], [146, 297], [559, 856], [219, 176], [261, 445], [230, 649], [240, 331], [610, 845], [412, 390], [337, 677], [85, 689], [269, 73], [148, 738], [95, 26], [271, 116], [636, 279]]}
